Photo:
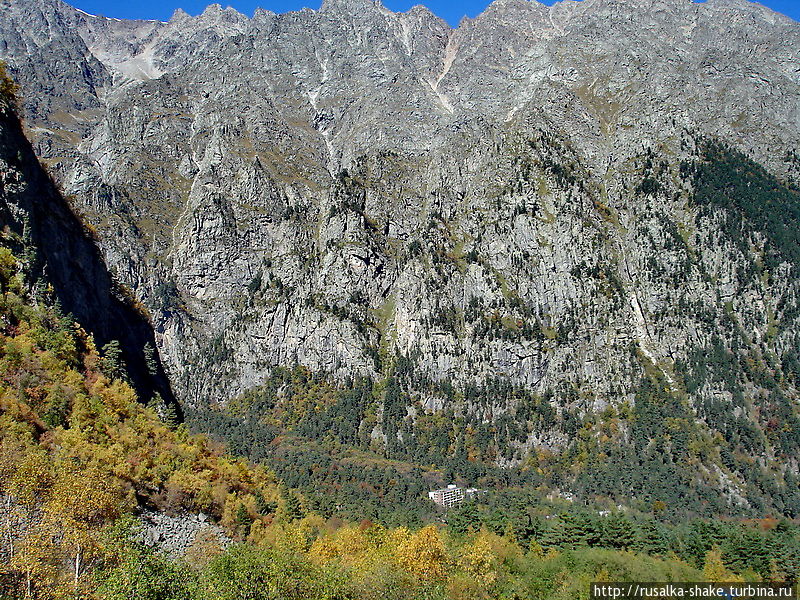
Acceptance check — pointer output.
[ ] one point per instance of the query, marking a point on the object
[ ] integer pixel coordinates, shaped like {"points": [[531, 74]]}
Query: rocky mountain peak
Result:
{"points": [[179, 15], [352, 8], [215, 11]]}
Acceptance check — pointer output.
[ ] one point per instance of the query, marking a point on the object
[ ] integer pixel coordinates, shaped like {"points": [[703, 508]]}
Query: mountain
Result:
{"points": [[64, 265], [559, 238], [101, 498]]}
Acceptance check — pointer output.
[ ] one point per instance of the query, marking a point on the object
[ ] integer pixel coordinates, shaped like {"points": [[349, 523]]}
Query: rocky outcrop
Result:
{"points": [[175, 535]]}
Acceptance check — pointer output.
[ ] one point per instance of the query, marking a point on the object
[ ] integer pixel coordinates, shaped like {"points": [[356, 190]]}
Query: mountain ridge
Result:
{"points": [[573, 4]]}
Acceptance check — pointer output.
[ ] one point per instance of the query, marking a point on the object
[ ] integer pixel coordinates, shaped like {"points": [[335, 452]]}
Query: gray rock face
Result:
{"points": [[174, 535], [337, 188]]}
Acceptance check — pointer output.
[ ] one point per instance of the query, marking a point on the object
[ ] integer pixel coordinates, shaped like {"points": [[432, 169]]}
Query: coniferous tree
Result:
{"points": [[113, 365], [170, 415], [150, 359]]}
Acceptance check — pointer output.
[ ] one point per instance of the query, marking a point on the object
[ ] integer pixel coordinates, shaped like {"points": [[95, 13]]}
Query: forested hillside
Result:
{"points": [[80, 457]]}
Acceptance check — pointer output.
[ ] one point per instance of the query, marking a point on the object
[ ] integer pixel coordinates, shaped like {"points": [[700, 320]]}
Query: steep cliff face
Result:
{"points": [[531, 198], [67, 264]]}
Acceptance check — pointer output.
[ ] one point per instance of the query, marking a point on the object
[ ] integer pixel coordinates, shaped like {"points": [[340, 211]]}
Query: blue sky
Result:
{"points": [[451, 10]]}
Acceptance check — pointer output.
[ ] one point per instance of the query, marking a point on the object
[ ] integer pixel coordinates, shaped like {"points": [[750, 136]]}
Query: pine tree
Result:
{"points": [[170, 417], [243, 520], [651, 538], [618, 532], [464, 517], [150, 359], [112, 365], [29, 255], [290, 509]]}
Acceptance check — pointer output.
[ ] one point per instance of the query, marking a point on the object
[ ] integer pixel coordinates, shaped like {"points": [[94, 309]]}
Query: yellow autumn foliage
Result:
{"points": [[478, 560], [77, 448], [424, 555]]}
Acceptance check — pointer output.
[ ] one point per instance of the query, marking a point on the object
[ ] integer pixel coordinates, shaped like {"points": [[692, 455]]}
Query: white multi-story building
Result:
{"points": [[449, 496]]}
